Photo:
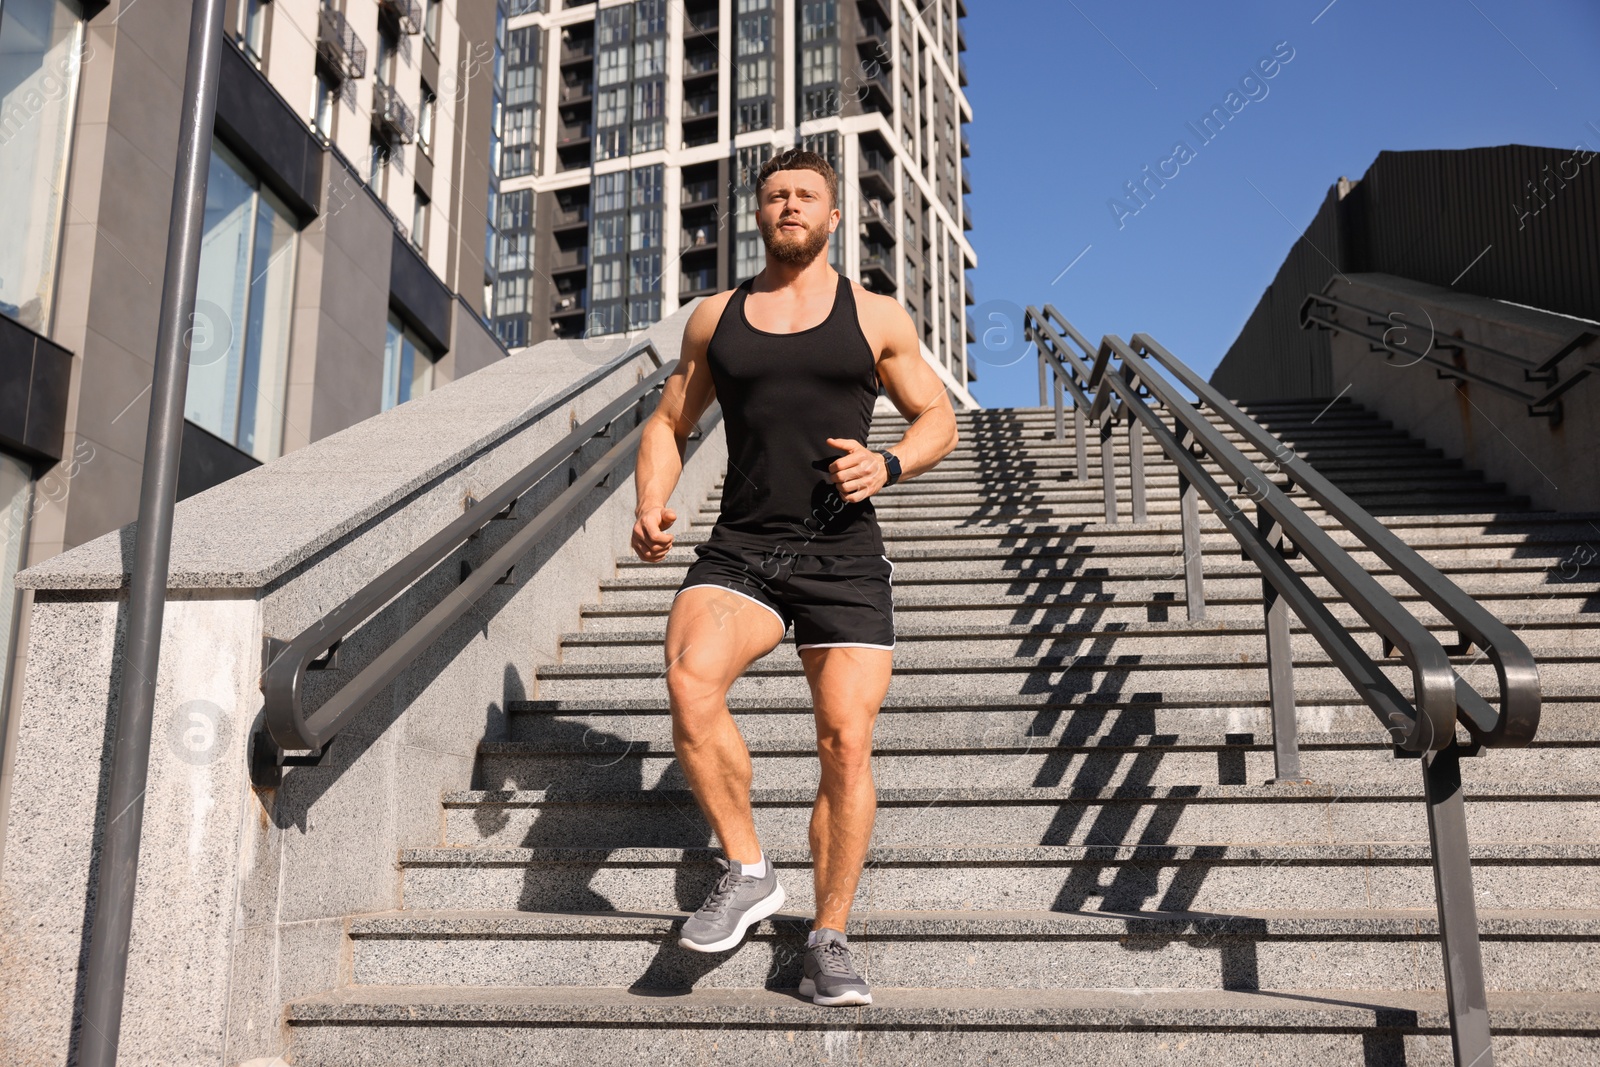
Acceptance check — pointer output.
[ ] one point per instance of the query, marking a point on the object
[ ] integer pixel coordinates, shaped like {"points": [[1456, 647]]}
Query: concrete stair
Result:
{"points": [[1076, 858]]}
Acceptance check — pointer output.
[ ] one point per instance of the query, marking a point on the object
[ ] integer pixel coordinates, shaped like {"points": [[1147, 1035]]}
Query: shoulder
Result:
{"points": [[883, 320], [704, 318]]}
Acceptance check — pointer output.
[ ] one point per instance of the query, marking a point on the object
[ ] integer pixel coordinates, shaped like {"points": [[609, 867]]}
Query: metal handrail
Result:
{"points": [[286, 727], [1518, 674], [1544, 372], [1281, 531]]}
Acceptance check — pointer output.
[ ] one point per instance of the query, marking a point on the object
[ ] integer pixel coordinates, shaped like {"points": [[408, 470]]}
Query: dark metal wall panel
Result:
{"points": [[1512, 222], [207, 460], [419, 297], [35, 375], [267, 133]]}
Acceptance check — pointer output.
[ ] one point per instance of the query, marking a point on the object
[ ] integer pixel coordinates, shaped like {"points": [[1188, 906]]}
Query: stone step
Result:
{"points": [[1029, 571], [1093, 714], [565, 754], [1020, 947], [1057, 812], [1126, 607], [464, 1026], [936, 673], [646, 643]]}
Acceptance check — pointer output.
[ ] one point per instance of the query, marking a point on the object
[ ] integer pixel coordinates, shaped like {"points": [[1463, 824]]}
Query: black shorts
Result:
{"points": [[832, 601]]}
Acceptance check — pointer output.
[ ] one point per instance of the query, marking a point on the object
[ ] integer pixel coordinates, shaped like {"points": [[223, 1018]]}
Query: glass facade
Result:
{"points": [[41, 50], [407, 365], [240, 349], [749, 254], [754, 58], [625, 240], [819, 58]]}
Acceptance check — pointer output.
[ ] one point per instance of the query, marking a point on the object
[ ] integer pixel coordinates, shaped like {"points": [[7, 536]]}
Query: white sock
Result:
{"points": [[758, 869], [816, 935]]}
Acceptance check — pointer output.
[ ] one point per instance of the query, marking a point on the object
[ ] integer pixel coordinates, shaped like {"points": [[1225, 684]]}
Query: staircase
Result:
{"points": [[1075, 859]]}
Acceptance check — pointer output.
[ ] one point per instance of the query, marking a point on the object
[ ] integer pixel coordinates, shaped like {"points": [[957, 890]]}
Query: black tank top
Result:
{"points": [[783, 396]]}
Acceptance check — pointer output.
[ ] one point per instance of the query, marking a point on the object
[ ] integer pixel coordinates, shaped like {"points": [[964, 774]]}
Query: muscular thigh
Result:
{"points": [[713, 634], [847, 685]]}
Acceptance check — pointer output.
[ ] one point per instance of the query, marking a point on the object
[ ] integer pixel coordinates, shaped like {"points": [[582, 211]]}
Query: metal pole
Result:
{"points": [[1280, 671], [1108, 465], [107, 965], [1061, 400], [1136, 466], [1042, 359], [1464, 986], [1081, 425]]}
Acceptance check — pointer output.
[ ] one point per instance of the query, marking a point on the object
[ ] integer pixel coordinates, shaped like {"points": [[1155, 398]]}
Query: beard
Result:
{"points": [[795, 251]]}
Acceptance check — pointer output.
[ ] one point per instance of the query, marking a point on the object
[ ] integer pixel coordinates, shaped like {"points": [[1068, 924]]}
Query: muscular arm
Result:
{"points": [[685, 395], [915, 390]]}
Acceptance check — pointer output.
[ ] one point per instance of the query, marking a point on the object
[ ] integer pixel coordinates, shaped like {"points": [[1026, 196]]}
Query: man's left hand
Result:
{"points": [[858, 474]]}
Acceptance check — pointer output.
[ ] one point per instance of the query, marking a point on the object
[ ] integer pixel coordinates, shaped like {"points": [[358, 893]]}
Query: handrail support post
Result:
{"points": [[1108, 465], [1136, 466], [1465, 988], [1080, 424], [1280, 677]]}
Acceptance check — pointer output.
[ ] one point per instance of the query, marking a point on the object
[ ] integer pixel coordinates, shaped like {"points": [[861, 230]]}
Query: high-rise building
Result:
{"points": [[633, 131], [342, 262]]}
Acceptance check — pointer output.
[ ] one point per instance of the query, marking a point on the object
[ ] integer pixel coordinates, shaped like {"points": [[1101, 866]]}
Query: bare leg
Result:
{"points": [[847, 689], [713, 635]]}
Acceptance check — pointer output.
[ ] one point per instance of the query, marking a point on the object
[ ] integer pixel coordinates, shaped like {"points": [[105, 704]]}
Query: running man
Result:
{"points": [[795, 356]]}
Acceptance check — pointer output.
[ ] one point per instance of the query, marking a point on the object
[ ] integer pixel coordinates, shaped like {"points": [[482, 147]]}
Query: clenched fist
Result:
{"points": [[650, 541]]}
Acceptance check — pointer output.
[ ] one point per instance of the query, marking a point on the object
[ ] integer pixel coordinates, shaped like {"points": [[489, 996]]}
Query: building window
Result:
{"points": [[41, 45], [419, 218], [430, 103], [323, 100], [377, 164], [251, 31], [407, 365], [430, 22], [239, 361]]}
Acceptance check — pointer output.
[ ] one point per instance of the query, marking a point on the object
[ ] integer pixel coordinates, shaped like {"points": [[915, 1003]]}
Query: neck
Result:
{"points": [[814, 275]]}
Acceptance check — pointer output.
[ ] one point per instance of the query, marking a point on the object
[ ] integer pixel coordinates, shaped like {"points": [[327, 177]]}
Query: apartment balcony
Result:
{"points": [[569, 219], [338, 47], [573, 134], [874, 36], [877, 175], [699, 107], [876, 221], [699, 238], [701, 23], [575, 94], [568, 304], [877, 267], [405, 14], [875, 10], [693, 283], [570, 260], [390, 116], [966, 145], [699, 194], [576, 50], [877, 88], [701, 65], [961, 72], [966, 181]]}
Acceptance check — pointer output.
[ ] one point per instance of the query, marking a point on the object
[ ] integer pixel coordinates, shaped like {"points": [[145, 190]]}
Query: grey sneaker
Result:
{"points": [[830, 977], [738, 902]]}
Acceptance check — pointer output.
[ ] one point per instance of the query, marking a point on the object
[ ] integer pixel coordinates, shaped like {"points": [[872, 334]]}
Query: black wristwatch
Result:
{"points": [[892, 462]]}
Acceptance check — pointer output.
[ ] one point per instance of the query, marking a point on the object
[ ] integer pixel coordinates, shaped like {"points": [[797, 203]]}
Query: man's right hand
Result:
{"points": [[650, 542]]}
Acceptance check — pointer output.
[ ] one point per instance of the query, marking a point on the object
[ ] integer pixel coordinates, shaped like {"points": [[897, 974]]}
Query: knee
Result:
{"points": [[697, 701], [846, 753]]}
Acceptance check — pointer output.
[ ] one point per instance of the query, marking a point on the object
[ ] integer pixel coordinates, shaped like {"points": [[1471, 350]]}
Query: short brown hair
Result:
{"points": [[801, 159]]}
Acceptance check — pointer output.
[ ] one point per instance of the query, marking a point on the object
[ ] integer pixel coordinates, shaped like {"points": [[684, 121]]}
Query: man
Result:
{"points": [[795, 356]]}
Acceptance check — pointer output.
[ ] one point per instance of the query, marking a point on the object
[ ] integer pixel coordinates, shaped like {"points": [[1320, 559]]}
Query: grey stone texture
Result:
{"points": [[244, 894]]}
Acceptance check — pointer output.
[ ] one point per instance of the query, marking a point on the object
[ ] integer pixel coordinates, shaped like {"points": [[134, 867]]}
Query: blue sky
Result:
{"points": [[1071, 98]]}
